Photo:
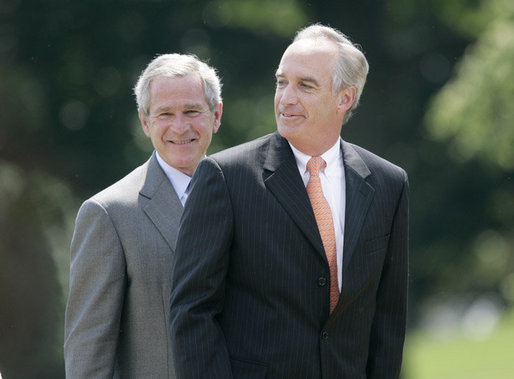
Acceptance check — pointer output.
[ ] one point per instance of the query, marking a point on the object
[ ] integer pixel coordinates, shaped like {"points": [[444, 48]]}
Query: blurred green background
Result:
{"points": [[438, 102]]}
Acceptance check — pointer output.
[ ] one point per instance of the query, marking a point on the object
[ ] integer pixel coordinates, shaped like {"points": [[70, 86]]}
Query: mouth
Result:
{"points": [[290, 115], [183, 142]]}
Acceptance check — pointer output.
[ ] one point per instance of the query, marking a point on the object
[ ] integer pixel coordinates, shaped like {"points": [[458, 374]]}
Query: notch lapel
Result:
{"points": [[282, 178], [161, 203], [359, 194]]}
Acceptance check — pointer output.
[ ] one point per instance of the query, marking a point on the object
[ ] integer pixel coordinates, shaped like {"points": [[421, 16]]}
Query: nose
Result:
{"points": [[180, 124], [287, 95]]}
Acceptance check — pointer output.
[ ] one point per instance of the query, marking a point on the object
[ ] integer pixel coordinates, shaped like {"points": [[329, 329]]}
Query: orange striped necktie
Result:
{"points": [[325, 223]]}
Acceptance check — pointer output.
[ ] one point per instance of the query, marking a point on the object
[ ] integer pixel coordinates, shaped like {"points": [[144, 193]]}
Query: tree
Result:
{"points": [[473, 114]]}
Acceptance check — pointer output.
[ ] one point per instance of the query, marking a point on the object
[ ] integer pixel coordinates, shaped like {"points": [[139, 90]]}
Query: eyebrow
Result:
{"points": [[194, 106], [308, 79]]}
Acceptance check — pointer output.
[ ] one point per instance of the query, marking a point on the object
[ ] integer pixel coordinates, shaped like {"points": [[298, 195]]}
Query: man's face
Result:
{"points": [[308, 113], [179, 122]]}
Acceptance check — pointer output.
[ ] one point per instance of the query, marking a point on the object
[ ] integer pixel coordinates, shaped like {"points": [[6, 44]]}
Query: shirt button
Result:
{"points": [[322, 281], [324, 335]]}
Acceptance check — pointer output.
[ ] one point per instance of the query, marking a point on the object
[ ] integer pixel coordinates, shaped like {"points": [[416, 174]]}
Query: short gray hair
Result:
{"points": [[351, 65], [177, 65]]}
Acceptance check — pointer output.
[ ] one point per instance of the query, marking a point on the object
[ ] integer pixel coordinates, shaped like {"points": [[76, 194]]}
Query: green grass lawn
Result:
{"points": [[460, 357]]}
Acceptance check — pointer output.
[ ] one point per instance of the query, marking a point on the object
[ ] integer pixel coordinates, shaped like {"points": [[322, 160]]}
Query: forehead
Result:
{"points": [[177, 89], [308, 58]]}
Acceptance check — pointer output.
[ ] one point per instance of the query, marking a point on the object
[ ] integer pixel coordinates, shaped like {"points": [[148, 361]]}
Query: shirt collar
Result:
{"points": [[178, 179], [331, 156]]}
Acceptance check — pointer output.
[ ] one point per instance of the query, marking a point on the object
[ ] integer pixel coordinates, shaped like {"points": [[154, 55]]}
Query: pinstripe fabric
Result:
{"points": [[250, 297], [325, 223]]}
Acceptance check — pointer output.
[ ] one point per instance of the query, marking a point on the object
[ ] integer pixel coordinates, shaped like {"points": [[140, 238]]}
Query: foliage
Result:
{"points": [[473, 114], [475, 110], [280, 18], [472, 17]]}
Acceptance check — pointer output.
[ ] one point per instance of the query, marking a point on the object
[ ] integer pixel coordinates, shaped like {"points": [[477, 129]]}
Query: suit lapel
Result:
{"points": [[282, 178], [359, 194], [161, 203]]}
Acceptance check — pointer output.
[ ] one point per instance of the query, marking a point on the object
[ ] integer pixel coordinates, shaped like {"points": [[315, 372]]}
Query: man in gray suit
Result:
{"points": [[298, 268], [118, 306]]}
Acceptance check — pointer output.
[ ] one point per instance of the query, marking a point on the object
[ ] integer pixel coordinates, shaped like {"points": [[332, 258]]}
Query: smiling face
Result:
{"points": [[308, 112], [179, 121]]}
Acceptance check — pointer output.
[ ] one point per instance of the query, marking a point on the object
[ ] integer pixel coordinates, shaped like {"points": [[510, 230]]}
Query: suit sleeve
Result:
{"points": [[388, 329], [97, 283], [199, 274]]}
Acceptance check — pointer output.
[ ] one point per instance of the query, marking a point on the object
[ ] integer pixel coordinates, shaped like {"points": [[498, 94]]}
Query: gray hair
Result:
{"points": [[177, 65], [351, 65]]}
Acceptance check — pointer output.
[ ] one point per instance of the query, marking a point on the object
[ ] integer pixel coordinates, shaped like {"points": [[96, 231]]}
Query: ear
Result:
{"points": [[144, 123], [217, 117], [346, 99]]}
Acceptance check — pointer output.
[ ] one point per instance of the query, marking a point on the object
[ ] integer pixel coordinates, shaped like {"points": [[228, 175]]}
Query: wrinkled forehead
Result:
{"points": [[168, 91]]}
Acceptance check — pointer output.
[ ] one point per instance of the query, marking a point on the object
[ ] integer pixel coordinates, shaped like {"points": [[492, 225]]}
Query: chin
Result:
{"points": [[287, 130]]}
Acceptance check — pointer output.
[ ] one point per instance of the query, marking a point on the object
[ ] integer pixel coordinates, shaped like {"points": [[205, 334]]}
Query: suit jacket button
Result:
{"points": [[322, 281], [324, 335]]}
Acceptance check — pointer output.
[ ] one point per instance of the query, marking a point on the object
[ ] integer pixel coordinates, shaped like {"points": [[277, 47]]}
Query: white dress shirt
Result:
{"points": [[178, 179], [333, 185]]}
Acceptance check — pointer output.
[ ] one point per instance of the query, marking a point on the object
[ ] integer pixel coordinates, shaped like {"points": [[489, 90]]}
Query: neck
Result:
{"points": [[314, 150]]}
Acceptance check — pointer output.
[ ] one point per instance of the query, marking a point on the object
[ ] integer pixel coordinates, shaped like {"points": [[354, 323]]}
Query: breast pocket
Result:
{"points": [[376, 245]]}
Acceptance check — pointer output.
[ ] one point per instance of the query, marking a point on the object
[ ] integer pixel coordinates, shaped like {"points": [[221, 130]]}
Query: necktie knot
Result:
{"points": [[315, 164]]}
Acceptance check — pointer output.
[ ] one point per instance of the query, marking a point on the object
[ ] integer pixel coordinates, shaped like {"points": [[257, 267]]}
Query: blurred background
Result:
{"points": [[439, 102]]}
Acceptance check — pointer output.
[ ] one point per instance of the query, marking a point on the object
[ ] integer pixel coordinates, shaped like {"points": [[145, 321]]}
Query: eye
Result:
{"points": [[281, 83], [305, 85], [192, 112]]}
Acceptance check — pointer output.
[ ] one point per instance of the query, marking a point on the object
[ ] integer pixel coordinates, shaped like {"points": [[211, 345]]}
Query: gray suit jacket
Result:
{"points": [[250, 294], [118, 306]]}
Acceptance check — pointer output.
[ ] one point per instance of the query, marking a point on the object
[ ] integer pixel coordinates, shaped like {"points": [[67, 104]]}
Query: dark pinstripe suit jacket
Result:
{"points": [[250, 294]]}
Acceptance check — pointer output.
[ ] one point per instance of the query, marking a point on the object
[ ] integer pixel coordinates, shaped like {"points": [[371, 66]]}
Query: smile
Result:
{"points": [[288, 115], [184, 142]]}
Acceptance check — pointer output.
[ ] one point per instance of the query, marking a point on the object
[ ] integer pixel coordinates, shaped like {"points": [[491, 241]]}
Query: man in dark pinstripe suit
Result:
{"points": [[251, 282]]}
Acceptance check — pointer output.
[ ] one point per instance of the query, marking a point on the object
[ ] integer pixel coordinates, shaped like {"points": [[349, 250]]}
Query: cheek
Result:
{"points": [[276, 99], [159, 134], [150, 133], [204, 129]]}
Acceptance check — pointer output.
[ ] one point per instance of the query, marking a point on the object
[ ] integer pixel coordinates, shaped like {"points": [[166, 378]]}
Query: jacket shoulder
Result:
{"points": [[244, 152], [378, 165], [123, 192]]}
